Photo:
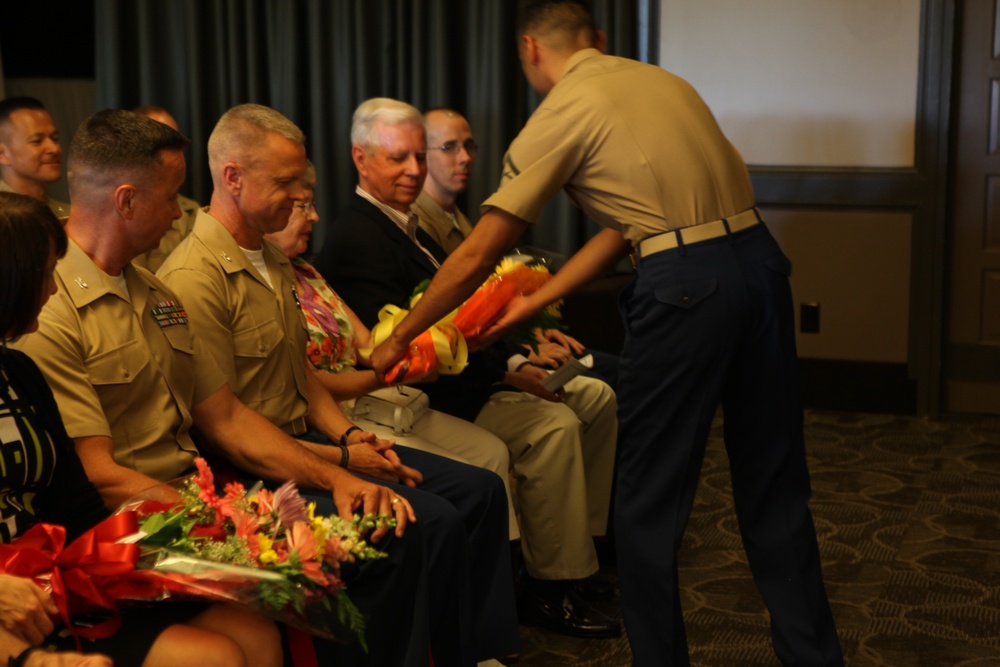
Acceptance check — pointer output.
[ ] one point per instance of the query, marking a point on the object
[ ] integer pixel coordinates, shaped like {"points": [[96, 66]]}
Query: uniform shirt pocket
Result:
{"points": [[257, 342], [179, 337], [118, 366]]}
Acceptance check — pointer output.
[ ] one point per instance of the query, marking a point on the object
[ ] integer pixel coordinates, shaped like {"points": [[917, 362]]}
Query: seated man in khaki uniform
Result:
{"points": [[133, 383], [30, 153], [239, 291]]}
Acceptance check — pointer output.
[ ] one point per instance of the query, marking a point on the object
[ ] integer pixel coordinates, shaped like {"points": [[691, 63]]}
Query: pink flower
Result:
{"points": [[230, 502], [302, 541], [205, 481], [289, 505], [334, 553], [265, 502], [315, 572], [246, 526]]}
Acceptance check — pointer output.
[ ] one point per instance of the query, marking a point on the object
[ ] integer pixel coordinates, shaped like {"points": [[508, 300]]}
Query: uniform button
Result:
{"points": [[128, 373], [686, 299]]}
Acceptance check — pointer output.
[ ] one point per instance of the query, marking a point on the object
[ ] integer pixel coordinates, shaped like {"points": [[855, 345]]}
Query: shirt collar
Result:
{"points": [[408, 221], [579, 57], [85, 282]]}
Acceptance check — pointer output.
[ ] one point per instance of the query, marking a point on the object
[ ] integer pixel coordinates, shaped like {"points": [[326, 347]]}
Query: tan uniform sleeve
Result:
{"points": [[56, 348], [539, 162]]}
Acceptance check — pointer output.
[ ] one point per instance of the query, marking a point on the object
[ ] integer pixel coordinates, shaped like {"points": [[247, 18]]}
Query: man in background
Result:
{"points": [[451, 156], [451, 153], [30, 152], [180, 227]]}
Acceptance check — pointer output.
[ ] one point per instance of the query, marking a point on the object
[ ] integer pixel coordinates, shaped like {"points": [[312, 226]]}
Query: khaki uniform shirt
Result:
{"points": [[633, 145], [60, 208], [123, 366], [448, 231], [179, 229], [256, 333]]}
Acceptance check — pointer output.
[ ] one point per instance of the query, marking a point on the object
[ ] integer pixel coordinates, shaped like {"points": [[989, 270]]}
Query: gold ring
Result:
{"points": [[395, 500]]}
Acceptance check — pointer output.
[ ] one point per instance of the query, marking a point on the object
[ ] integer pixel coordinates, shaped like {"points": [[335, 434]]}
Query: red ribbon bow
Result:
{"points": [[79, 573]]}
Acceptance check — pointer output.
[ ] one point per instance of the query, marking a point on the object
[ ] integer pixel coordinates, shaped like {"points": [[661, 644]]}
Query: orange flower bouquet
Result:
{"points": [[267, 550], [443, 347]]}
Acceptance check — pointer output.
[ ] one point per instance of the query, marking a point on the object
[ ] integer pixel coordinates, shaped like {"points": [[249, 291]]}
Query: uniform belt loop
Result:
{"points": [[729, 232], [680, 241]]}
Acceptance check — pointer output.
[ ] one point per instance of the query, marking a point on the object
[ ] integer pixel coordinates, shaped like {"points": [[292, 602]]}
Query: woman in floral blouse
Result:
{"points": [[336, 337]]}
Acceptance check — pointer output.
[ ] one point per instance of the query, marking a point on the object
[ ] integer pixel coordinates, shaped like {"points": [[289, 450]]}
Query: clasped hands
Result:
{"points": [[26, 613]]}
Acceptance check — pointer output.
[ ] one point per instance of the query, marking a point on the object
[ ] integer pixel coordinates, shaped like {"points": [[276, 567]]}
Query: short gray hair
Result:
{"points": [[242, 131], [380, 110]]}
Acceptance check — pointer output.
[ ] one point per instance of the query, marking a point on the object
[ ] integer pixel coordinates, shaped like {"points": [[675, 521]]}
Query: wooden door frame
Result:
{"points": [[921, 190]]}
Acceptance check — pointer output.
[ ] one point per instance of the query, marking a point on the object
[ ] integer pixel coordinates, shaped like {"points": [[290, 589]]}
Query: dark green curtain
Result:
{"points": [[316, 60]]}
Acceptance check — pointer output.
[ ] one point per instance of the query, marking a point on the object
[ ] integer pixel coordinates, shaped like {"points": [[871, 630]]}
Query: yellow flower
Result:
{"points": [[506, 265], [267, 552]]}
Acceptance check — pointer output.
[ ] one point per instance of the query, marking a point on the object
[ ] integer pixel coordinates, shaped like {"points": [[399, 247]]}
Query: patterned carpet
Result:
{"points": [[908, 516]]}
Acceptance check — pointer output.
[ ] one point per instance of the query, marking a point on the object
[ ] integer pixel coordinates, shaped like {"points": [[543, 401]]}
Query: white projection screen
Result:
{"points": [[802, 83]]}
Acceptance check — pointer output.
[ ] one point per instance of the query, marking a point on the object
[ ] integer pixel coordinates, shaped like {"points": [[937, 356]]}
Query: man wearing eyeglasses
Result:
{"points": [[451, 153]]}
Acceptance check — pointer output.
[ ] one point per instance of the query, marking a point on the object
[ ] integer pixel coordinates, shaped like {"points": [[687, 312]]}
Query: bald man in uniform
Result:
{"points": [[239, 291], [30, 152], [708, 321]]}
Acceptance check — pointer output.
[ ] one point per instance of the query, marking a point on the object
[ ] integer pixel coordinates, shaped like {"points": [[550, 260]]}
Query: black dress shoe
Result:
{"points": [[567, 614], [594, 588]]}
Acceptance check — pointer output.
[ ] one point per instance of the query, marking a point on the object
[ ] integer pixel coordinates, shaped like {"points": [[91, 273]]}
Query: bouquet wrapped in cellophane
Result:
{"points": [[266, 550], [444, 346]]}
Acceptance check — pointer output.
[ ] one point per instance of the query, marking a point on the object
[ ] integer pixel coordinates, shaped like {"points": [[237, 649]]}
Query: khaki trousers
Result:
{"points": [[562, 455]]}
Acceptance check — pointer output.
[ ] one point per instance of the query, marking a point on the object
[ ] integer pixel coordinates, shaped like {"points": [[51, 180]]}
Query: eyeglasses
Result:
{"points": [[453, 147], [306, 206]]}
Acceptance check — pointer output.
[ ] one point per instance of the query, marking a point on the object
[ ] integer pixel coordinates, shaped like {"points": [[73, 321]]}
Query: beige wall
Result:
{"points": [[802, 82], [818, 84], [856, 265]]}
